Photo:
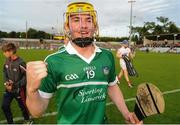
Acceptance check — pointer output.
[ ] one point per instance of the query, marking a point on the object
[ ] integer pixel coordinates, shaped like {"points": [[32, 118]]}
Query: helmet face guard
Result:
{"points": [[81, 23]]}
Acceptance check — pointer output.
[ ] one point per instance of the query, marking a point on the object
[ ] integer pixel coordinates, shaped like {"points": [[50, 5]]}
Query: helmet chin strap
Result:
{"points": [[83, 42]]}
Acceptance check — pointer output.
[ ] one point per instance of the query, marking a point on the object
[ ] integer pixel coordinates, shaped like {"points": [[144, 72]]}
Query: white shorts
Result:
{"points": [[123, 64]]}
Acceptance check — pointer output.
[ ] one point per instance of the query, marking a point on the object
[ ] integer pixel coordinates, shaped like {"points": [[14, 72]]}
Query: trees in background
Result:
{"points": [[35, 34], [151, 30], [32, 33]]}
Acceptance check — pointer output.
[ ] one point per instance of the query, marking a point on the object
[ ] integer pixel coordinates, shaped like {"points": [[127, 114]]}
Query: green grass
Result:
{"points": [[160, 69]]}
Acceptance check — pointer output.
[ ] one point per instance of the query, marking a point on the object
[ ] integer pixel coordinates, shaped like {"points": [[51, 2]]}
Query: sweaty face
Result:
{"points": [[81, 25]]}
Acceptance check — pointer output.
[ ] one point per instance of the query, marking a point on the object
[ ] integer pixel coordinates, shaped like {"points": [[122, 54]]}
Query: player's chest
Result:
{"points": [[78, 70]]}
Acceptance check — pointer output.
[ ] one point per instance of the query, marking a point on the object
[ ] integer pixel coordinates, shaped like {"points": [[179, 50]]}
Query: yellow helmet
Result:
{"points": [[81, 7]]}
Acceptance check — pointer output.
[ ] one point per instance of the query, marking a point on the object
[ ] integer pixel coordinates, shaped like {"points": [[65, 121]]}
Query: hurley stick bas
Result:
{"points": [[149, 101]]}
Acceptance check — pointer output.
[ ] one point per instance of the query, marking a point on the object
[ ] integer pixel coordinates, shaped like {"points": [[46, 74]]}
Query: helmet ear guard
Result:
{"points": [[67, 31]]}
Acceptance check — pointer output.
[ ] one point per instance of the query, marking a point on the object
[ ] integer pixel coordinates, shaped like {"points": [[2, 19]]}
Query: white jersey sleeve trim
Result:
{"points": [[114, 82], [45, 94]]}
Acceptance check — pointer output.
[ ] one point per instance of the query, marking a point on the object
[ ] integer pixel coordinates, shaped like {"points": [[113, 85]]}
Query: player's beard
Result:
{"points": [[83, 42]]}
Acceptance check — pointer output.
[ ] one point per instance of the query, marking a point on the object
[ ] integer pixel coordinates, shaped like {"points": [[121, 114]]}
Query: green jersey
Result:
{"points": [[80, 84]]}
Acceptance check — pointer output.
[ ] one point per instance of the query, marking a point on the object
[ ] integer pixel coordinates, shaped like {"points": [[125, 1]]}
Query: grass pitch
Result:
{"points": [[160, 69]]}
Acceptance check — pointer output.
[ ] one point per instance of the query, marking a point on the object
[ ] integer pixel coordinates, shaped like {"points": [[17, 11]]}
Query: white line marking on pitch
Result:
{"points": [[107, 104]]}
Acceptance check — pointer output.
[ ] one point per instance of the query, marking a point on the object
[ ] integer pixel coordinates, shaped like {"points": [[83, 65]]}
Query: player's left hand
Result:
{"points": [[132, 119]]}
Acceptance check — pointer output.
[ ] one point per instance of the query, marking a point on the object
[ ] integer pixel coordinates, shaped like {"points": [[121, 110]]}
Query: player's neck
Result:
{"points": [[85, 51]]}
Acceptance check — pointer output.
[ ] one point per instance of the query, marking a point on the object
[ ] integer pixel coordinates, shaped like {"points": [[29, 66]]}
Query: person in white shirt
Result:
{"points": [[124, 50]]}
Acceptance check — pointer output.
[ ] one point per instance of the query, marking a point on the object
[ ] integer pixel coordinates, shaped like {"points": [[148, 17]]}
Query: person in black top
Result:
{"points": [[14, 71]]}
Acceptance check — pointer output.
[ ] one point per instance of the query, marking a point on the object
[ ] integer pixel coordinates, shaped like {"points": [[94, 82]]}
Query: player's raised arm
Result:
{"points": [[36, 71]]}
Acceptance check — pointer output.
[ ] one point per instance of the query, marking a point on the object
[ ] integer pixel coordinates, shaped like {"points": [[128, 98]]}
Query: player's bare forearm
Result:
{"points": [[118, 55], [36, 104], [118, 99], [36, 71]]}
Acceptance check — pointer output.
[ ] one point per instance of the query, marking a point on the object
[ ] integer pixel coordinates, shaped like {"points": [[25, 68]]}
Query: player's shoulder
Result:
{"points": [[55, 55], [19, 60], [121, 48], [128, 49], [106, 51]]}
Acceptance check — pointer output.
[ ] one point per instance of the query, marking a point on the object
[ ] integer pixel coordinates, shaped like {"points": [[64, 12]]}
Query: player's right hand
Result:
{"points": [[132, 119], [137, 120], [35, 71]]}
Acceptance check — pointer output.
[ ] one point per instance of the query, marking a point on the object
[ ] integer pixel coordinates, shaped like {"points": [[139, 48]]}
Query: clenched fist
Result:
{"points": [[36, 71]]}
